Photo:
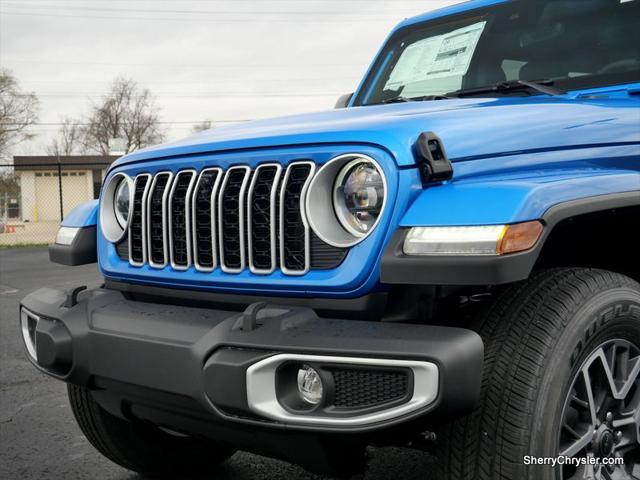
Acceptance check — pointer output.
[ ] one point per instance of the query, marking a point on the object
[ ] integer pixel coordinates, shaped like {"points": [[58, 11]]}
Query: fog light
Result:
{"points": [[310, 385]]}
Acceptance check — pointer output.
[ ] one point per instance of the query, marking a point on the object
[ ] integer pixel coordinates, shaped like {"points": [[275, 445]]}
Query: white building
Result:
{"points": [[45, 180]]}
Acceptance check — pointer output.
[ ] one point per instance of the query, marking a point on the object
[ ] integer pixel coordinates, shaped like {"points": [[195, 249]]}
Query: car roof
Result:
{"points": [[451, 10]]}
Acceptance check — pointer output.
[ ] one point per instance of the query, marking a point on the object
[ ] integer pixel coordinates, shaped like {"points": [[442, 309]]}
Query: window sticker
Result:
{"points": [[437, 57]]}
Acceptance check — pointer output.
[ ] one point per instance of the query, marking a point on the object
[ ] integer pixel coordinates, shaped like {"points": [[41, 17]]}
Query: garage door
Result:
{"points": [[74, 192]]}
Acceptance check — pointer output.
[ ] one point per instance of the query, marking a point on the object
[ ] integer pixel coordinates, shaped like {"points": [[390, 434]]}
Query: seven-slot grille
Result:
{"points": [[232, 220]]}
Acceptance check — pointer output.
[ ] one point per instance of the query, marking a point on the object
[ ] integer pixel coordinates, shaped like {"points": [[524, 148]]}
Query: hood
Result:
{"points": [[469, 128]]}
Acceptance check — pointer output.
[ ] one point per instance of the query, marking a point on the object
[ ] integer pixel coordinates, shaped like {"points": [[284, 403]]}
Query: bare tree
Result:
{"points": [[127, 112], [68, 141], [18, 111], [202, 126], [9, 184]]}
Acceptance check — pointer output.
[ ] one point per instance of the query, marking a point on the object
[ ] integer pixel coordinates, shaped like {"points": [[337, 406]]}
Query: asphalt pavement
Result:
{"points": [[39, 438]]}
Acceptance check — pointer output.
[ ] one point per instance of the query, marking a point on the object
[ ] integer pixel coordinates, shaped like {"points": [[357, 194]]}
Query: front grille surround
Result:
{"points": [[174, 229], [138, 221], [303, 217], [222, 221]]}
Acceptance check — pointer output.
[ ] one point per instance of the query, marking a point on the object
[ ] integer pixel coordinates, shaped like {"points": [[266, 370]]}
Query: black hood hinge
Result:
{"points": [[433, 163]]}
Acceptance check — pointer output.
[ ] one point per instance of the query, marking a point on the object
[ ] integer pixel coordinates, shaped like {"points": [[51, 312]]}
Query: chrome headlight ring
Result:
{"points": [[113, 221], [333, 225]]}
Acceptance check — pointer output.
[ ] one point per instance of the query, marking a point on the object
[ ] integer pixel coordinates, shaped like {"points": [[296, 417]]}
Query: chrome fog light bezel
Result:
{"points": [[326, 222], [111, 227], [29, 340], [264, 398]]}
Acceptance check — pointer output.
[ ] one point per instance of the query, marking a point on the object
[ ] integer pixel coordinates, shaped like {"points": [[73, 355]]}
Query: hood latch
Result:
{"points": [[433, 163]]}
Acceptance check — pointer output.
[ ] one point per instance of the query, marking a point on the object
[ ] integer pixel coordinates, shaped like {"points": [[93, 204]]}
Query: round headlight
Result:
{"points": [[121, 201], [115, 207], [358, 196], [346, 199]]}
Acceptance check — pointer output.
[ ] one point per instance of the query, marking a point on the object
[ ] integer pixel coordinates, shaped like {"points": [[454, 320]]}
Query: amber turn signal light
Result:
{"points": [[519, 237]]}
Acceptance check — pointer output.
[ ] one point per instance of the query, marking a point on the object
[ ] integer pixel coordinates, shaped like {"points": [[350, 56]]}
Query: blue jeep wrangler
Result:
{"points": [[449, 260]]}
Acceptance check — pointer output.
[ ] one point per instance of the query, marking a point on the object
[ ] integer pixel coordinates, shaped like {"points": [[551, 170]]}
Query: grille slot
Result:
{"points": [[205, 257], [362, 388], [180, 220], [294, 230], [157, 219], [231, 219], [261, 219], [137, 227]]}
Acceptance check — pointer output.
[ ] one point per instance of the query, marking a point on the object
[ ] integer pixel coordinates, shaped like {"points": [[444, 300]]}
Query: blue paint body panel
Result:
{"points": [[468, 127], [513, 159], [84, 215], [523, 187], [358, 273]]}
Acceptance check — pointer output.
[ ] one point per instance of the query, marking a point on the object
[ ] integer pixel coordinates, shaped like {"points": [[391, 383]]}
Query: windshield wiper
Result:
{"points": [[396, 99], [424, 98], [543, 86]]}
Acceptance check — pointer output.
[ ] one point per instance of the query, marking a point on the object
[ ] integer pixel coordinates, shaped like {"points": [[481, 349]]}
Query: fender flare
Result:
{"points": [[83, 250], [84, 215], [398, 268]]}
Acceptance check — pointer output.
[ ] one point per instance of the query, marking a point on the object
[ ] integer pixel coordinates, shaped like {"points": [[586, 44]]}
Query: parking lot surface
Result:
{"points": [[39, 438]]}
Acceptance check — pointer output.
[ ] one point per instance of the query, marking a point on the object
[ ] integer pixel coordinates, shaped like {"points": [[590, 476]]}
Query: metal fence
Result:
{"points": [[35, 197]]}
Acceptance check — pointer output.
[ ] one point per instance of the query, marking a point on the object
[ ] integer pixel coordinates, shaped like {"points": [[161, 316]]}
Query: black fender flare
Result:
{"points": [[398, 268]]}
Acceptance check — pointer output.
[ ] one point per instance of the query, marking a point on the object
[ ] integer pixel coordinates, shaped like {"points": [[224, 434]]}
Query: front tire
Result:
{"points": [[141, 447], [545, 339]]}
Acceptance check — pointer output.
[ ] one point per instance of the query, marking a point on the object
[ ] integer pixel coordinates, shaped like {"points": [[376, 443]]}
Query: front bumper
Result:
{"points": [[218, 373]]}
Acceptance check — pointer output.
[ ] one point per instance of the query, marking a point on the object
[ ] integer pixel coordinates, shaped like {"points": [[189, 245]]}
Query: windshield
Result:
{"points": [[571, 44]]}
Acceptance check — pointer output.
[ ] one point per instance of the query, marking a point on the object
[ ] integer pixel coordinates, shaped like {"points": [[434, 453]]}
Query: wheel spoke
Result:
{"points": [[583, 472], [590, 399], [605, 474], [627, 381], [577, 446], [580, 403], [619, 364], [624, 364], [629, 426], [623, 422]]}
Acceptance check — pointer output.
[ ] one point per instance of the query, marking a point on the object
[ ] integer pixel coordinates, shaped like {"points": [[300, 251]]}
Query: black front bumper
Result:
{"points": [[186, 368]]}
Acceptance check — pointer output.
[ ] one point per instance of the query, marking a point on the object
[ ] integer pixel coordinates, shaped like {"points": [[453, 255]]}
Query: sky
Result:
{"points": [[219, 60]]}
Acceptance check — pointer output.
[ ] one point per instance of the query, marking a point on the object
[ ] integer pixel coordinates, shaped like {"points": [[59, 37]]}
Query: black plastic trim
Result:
{"points": [[368, 307], [398, 268], [433, 162], [343, 100], [83, 249], [175, 350]]}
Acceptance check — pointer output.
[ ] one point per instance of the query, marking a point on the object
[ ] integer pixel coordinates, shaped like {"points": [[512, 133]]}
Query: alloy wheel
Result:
{"points": [[601, 415]]}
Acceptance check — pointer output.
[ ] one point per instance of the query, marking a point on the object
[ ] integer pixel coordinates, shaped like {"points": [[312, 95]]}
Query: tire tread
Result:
{"points": [[520, 329]]}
